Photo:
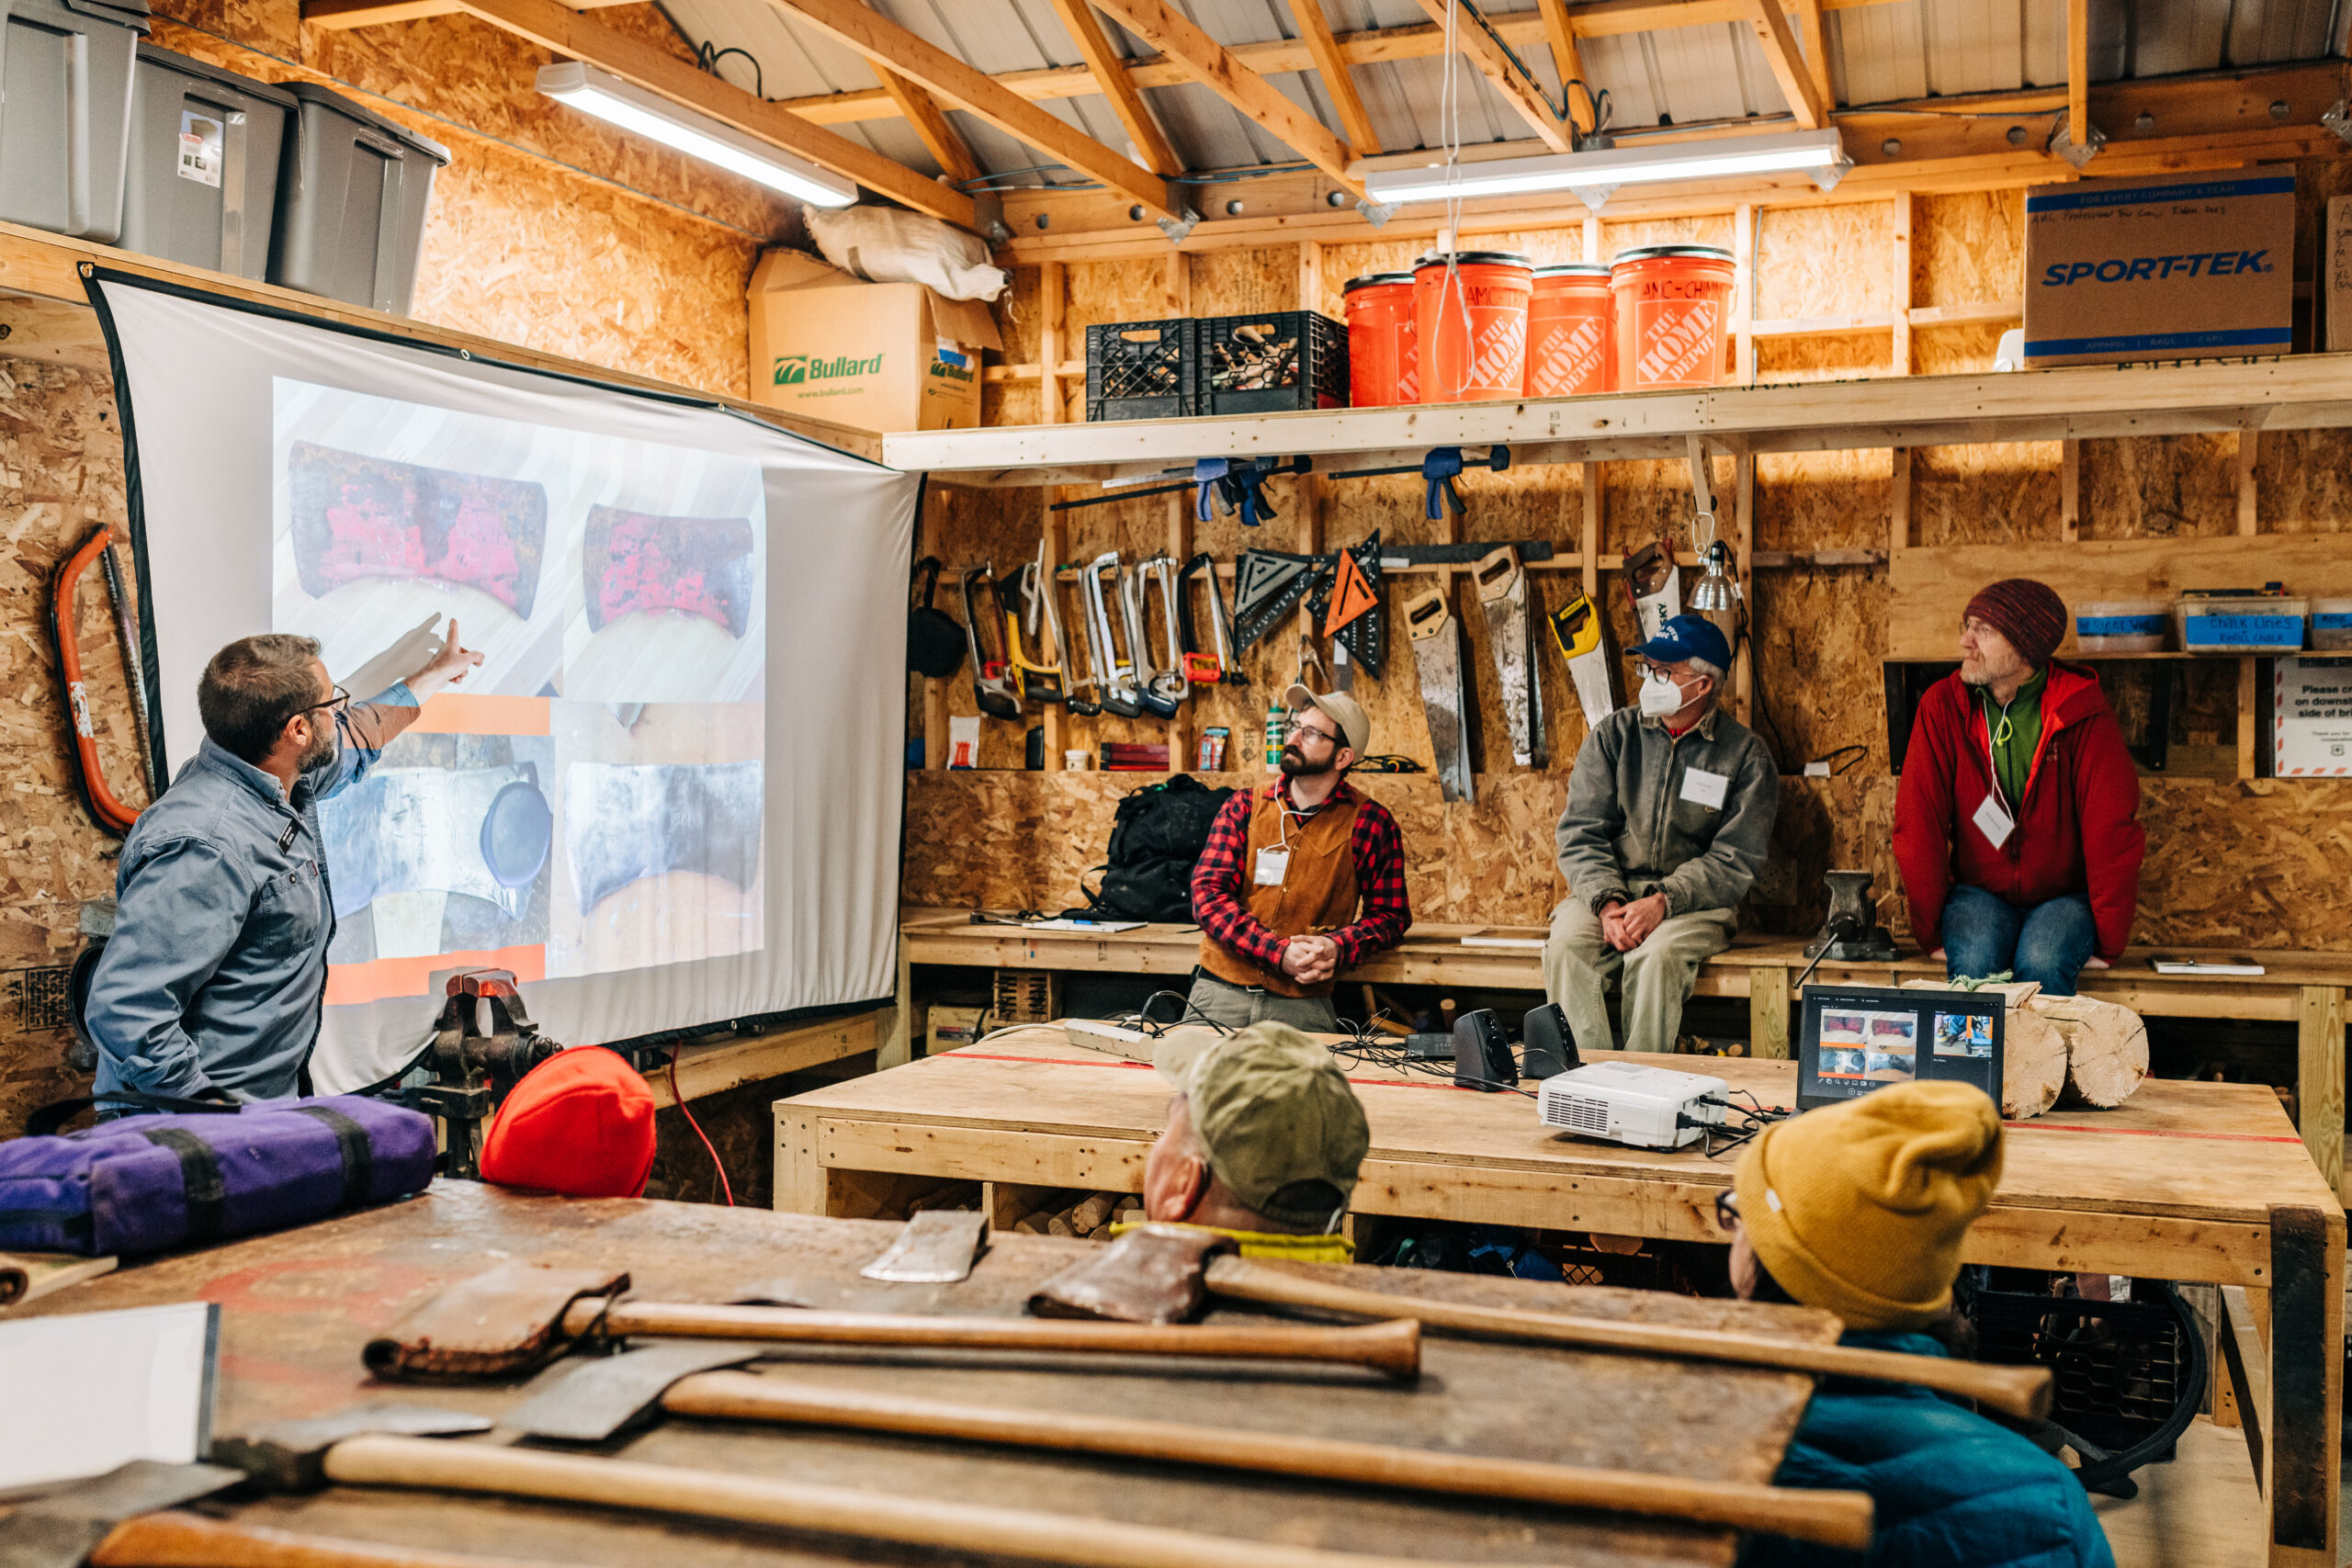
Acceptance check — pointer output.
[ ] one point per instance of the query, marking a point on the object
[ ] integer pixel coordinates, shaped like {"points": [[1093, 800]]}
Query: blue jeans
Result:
{"points": [[1985, 934]]}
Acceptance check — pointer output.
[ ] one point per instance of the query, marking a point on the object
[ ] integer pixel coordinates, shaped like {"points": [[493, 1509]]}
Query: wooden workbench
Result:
{"points": [[2196, 1181], [297, 1307], [2304, 988]]}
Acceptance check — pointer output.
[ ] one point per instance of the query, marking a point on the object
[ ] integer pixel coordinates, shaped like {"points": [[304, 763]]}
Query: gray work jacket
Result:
{"points": [[1636, 824], [217, 969]]}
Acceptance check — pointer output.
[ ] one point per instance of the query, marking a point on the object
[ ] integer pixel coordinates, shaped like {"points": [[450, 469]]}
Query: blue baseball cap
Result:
{"points": [[1687, 636]]}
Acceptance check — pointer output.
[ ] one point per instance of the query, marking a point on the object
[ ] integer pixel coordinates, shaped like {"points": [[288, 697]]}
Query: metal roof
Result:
{"points": [[1878, 53]]}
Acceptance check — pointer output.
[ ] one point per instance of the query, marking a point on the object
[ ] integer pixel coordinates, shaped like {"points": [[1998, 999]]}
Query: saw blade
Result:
{"points": [[1437, 654], [1502, 594], [1266, 587]]}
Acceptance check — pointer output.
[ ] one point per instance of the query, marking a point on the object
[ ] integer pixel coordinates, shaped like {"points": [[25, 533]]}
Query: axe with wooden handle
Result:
{"points": [[1162, 1274]]}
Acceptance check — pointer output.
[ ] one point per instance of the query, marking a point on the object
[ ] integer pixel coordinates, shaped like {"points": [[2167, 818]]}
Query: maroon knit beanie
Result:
{"points": [[2027, 612]]}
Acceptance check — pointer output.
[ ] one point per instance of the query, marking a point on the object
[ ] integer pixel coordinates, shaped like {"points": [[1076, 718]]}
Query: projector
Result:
{"points": [[1646, 1107]]}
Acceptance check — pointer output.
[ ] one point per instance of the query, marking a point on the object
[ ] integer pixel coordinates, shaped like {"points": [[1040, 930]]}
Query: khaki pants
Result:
{"points": [[1658, 975], [1238, 1006]]}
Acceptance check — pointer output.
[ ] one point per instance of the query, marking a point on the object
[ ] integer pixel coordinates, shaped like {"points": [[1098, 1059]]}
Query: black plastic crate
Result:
{"points": [[2118, 1367], [1271, 362], [1141, 370]]}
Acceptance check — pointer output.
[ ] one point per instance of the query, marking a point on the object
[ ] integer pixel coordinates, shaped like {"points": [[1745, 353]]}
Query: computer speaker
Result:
{"points": [[1482, 1057], [1551, 1048]]}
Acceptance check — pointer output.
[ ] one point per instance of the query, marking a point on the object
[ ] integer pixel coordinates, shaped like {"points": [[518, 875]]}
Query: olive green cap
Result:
{"points": [[1271, 1109]]}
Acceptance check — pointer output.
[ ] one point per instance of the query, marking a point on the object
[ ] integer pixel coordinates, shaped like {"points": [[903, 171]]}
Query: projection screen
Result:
{"points": [[669, 796]]}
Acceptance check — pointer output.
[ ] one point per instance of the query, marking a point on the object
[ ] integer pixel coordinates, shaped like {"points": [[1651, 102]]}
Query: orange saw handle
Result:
{"points": [[108, 811]]}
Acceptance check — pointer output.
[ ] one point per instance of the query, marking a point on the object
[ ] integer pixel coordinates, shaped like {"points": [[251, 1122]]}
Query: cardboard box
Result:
{"points": [[2335, 272], [876, 356], [2197, 268]]}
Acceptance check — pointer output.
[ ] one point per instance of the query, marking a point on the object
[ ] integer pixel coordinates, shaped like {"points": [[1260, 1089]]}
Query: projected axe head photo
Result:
{"points": [[591, 798]]}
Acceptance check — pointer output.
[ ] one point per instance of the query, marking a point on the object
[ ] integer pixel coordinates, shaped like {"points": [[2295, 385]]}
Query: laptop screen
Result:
{"points": [[1854, 1039]]}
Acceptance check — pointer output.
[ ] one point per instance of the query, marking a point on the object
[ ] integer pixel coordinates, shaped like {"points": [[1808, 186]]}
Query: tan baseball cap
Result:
{"points": [[1272, 1110], [1355, 724]]}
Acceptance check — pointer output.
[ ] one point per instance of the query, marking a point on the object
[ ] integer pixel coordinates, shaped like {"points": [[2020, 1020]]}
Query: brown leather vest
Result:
{"points": [[1318, 892]]}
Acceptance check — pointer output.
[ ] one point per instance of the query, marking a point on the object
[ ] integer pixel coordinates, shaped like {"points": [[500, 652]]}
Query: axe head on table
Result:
{"points": [[292, 1456], [1152, 1274], [594, 1399], [59, 1528], [494, 1325]]}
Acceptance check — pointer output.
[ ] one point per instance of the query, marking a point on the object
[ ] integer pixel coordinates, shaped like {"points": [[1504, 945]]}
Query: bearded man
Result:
{"points": [[1299, 879], [211, 987]]}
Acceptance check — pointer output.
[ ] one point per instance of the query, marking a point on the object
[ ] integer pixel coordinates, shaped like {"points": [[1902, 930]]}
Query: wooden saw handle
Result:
{"points": [[966, 1529], [1392, 1348], [176, 1540], [1833, 1518], [2022, 1391]]}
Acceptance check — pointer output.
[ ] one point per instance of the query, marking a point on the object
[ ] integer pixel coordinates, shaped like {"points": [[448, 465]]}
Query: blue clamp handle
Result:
{"points": [[1439, 469], [1240, 484]]}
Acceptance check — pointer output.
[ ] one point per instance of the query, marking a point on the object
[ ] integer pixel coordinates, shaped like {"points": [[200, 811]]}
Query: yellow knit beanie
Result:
{"points": [[1859, 1208]]}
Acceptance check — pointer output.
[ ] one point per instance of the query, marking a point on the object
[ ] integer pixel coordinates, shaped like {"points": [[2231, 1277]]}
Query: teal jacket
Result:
{"points": [[1952, 1489]]}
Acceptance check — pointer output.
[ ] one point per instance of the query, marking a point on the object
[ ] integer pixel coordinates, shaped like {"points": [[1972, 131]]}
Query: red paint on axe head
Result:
{"points": [[357, 517], [637, 561]]}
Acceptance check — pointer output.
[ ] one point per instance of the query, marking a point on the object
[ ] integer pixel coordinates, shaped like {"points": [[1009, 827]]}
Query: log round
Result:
{"points": [[2106, 1047]]}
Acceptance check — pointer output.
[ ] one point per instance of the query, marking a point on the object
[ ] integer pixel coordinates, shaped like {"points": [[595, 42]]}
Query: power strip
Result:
{"points": [[1094, 1035]]}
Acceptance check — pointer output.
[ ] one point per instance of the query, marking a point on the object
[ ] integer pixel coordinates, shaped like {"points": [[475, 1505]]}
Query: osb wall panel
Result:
{"points": [[60, 474], [1967, 248], [1819, 261], [2160, 487], [1842, 357]]}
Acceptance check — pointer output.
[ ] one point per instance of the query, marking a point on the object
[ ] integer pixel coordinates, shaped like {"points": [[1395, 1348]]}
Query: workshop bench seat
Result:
{"points": [[2304, 988]]}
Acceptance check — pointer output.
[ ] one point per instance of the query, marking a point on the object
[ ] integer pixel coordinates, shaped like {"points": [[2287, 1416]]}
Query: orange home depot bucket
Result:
{"points": [[1383, 361], [1571, 324], [1673, 302], [1471, 321]]}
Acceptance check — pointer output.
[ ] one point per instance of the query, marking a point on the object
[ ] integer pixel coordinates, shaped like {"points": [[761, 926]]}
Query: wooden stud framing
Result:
{"points": [[1179, 545], [1560, 32], [888, 45], [1806, 100], [1743, 292], [1592, 238], [1310, 268], [1208, 63], [1509, 82], [2078, 71], [2249, 452], [1816, 49], [1331, 64], [1176, 290], [2319, 1079], [1589, 541], [2070, 491], [2249, 694], [1901, 358], [1898, 518], [569, 33], [1052, 300], [1743, 488], [942, 141], [1057, 547], [1109, 70]]}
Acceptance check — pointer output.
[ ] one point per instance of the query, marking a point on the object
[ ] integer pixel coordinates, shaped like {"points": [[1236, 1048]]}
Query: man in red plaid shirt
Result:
{"points": [[1297, 879]]}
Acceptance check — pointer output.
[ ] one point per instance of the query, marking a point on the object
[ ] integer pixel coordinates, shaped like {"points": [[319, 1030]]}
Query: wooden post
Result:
{"points": [[1743, 484], [2306, 1344], [1052, 299], [2249, 694], [1180, 544], [1588, 544], [1055, 542], [898, 1036], [2319, 1079], [800, 1179], [1592, 238], [1177, 285], [1898, 514], [1310, 276], [2249, 450], [1767, 1011], [2070, 491], [1902, 281], [1743, 292]]}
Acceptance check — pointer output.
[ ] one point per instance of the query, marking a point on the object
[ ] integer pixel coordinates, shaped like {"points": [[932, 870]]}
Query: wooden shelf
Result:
{"points": [[2307, 391]]}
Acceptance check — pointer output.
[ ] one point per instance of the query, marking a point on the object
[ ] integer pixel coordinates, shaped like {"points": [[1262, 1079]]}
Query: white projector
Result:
{"points": [[1648, 1107]]}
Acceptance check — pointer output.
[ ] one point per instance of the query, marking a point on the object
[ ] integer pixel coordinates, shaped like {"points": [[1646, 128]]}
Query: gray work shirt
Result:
{"points": [[215, 971], [1638, 823]]}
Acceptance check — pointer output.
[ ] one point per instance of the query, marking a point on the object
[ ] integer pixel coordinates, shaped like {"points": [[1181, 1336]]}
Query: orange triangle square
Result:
{"points": [[1351, 596]]}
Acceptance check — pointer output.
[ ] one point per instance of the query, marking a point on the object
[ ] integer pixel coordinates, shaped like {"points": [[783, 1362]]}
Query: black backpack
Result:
{"points": [[1156, 838]]}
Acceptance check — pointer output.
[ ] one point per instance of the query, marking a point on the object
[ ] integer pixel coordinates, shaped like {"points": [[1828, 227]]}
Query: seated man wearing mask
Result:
{"points": [[1861, 1210], [1669, 818], [1263, 1141]]}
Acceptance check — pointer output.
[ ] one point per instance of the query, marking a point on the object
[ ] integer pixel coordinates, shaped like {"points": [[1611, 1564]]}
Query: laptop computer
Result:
{"points": [[1854, 1039]]}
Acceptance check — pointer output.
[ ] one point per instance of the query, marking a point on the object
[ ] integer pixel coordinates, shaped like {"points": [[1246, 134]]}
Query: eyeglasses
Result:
{"points": [[1298, 726], [1727, 1210], [1644, 668], [340, 702]]}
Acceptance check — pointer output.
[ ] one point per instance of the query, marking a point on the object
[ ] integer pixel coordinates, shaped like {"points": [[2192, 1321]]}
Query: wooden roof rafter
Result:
{"points": [[1109, 71], [942, 141], [1331, 65], [1507, 75], [1806, 98]]}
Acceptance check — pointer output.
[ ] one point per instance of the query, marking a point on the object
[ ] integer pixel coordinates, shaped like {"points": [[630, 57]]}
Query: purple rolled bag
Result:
{"points": [[145, 1183]]}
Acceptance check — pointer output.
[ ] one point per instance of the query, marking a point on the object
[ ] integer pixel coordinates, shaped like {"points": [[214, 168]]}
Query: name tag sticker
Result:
{"points": [[1993, 820], [1273, 867], [1707, 789]]}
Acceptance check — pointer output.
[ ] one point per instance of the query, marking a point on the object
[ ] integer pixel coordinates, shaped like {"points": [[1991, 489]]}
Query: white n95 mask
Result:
{"points": [[1660, 696]]}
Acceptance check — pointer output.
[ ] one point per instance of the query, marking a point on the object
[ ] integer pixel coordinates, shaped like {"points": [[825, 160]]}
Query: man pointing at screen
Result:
{"points": [[211, 985]]}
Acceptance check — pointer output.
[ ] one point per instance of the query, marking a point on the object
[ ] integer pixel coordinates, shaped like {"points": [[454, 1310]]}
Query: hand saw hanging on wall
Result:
{"points": [[1437, 653], [1576, 627], [1504, 592], [994, 685], [1207, 669]]}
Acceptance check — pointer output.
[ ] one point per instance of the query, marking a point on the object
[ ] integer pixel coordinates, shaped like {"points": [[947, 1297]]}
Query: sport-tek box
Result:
{"points": [[2198, 268], [876, 356]]}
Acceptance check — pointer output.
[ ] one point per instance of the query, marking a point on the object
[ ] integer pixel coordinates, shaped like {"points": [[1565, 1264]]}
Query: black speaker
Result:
{"points": [[1551, 1048], [1482, 1057]]}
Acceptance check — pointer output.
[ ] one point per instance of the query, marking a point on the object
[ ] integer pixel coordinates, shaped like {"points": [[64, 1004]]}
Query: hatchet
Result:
{"points": [[597, 1399], [518, 1316], [349, 1451], [1163, 1274]]}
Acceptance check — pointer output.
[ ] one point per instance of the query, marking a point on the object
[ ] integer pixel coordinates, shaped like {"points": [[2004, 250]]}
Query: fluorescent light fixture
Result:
{"points": [[1592, 176], [608, 98]]}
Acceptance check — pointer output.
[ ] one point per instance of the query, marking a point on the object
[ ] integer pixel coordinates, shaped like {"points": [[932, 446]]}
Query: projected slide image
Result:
{"points": [[658, 828], [1963, 1034], [358, 518], [1881, 1047]]}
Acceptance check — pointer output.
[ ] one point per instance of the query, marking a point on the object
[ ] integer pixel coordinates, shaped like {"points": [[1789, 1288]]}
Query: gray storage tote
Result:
{"points": [[352, 203], [66, 70], [203, 180]]}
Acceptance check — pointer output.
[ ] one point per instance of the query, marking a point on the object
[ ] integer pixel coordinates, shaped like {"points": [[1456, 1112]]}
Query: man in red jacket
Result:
{"points": [[2017, 821]]}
